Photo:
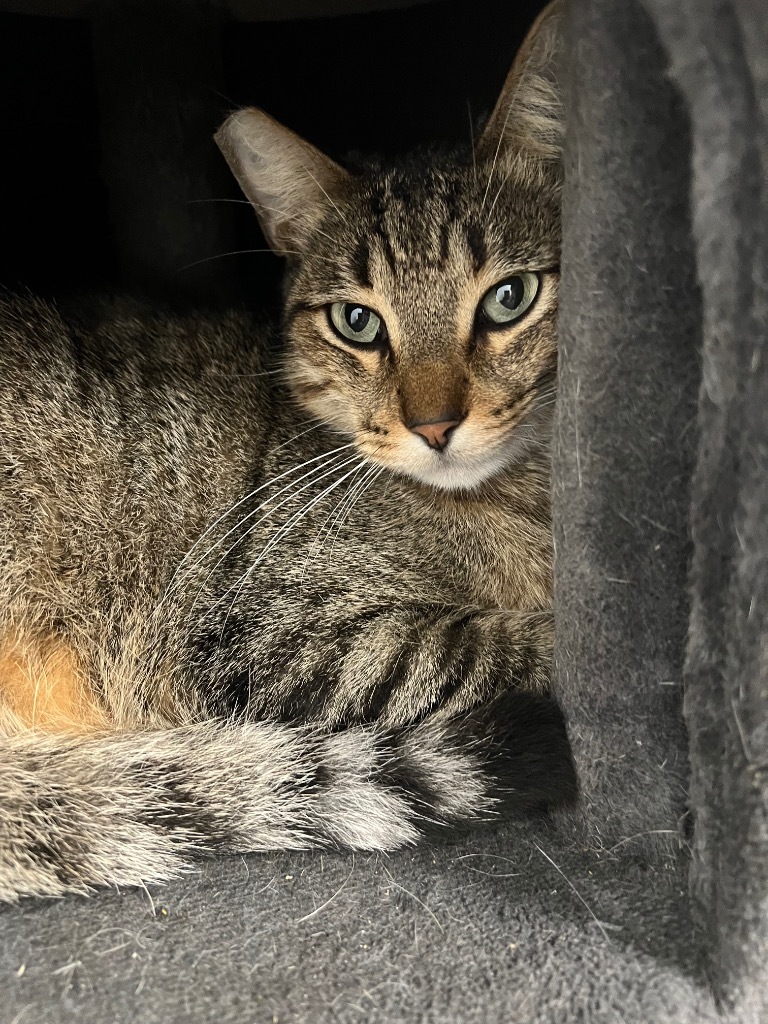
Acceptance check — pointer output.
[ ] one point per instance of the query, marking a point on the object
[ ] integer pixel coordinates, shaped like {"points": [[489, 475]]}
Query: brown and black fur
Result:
{"points": [[239, 608]]}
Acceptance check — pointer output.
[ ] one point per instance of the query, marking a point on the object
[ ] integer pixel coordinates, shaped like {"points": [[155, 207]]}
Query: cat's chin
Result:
{"points": [[457, 473]]}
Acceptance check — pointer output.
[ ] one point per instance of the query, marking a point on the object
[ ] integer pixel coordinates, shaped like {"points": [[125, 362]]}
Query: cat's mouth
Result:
{"points": [[472, 456]]}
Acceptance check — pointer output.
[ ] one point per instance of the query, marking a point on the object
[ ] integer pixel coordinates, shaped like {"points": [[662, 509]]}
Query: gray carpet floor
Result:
{"points": [[507, 925]]}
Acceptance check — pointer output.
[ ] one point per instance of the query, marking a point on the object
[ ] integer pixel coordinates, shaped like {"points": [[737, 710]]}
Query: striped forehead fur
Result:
{"points": [[428, 209]]}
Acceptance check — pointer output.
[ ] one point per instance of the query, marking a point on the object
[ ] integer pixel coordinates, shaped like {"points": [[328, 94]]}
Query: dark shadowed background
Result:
{"points": [[107, 118]]}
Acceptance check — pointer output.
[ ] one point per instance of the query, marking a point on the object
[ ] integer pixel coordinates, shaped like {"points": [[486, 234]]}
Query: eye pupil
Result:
{"points": [[511, 293], [508, 300], [358, 318], [357, 324]]}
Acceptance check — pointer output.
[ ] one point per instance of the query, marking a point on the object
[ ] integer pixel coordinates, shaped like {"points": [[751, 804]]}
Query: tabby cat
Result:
{"points": [[254, 607]]}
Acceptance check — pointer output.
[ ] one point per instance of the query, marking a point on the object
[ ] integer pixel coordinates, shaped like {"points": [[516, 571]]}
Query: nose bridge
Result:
{"points": [[431, 392]]}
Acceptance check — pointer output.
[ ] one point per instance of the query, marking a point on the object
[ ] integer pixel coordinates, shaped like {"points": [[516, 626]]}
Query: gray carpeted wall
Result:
{"points": [[668, 184], [661, 504]]}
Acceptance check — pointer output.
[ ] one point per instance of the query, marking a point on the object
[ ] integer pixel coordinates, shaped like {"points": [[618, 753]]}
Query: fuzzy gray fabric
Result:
{"points": [[662, 436], [719, 58]]}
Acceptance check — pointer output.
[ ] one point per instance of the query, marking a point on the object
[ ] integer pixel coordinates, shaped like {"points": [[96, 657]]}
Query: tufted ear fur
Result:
{"points": [[528, 113], [289, 182]]}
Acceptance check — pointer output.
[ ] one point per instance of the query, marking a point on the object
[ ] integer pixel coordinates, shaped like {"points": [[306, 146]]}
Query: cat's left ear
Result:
{"points": [[528, 114], [290, 183]]}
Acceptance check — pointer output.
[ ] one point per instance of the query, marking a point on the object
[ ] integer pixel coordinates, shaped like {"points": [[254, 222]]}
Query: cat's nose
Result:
{"points": [[436, 435]]}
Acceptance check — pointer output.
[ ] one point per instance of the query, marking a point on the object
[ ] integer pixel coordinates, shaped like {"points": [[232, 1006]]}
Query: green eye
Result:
{"points": [[357, 324], [508, 300]]}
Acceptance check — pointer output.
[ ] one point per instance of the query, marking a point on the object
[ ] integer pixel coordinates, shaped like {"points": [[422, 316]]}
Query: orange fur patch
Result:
{"points": [[44, 687]]}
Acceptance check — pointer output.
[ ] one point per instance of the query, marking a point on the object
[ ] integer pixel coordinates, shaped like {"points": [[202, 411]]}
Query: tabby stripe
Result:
{"points": [[445, 244], [176, 807], [477, 245], [322, 683], [398, 770], [397, 669], [377, 210], [361, 264], [462, 649]]}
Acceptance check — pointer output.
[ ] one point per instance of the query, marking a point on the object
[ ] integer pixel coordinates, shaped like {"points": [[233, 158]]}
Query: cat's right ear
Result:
{"points": [[289, 182], [528, 115]]}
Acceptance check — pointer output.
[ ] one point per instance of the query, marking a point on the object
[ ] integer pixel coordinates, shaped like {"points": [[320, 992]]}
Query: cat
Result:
{"points": [[248, 605]]}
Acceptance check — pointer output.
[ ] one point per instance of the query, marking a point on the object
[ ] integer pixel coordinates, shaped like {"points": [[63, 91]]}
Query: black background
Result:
{"points": [[376, 82]]}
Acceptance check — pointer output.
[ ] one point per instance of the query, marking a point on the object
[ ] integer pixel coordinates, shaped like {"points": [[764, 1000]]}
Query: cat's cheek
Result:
{"points": [[330, 406], [316, 391]]}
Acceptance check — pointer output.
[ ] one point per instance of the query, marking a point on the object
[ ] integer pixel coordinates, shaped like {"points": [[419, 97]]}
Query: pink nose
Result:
{"points": [[437, 435]]}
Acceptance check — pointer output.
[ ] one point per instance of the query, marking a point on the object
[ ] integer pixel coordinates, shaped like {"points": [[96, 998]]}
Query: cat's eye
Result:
{"points": [[357, 323], [508, 300]]}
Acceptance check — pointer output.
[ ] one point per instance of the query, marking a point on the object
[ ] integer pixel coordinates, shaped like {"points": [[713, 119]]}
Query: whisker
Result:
{"points": [[267, 514], [341, 510], [243, 201], [237, 504], [227, 99], [315, 426], [496, 155], [282, 532], [336, 208], [388, 484], [500, 189], [349, 497], [245, 252], [218, 256], [243, 376], [472, 140], [303, 511], [325, 234], [361, 488], [324, 528], [315, 475]]}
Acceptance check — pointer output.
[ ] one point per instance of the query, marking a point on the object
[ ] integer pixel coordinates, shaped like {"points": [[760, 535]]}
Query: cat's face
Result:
{"points": [[421, 302], [422, 321]]}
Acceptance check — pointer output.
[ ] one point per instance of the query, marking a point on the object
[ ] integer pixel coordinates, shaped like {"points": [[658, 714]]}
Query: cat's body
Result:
{"points": [[227, 626], [130, 535]]}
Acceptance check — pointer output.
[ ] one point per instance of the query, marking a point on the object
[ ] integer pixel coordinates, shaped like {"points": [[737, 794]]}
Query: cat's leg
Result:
{"points": [[337, 666]]}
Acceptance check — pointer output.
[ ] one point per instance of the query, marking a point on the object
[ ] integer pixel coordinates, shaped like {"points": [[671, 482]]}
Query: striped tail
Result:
{"points": [[137, 808]]}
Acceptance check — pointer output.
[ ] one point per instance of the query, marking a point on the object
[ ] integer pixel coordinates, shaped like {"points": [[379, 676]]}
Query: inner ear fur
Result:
{"points": [[528, 114], [290, 183]]}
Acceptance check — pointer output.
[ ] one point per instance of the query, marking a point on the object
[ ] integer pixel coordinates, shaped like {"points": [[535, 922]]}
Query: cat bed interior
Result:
{"points": [[649, 903]]}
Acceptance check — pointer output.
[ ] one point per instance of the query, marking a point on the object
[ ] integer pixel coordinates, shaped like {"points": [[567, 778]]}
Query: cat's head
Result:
{"points": [[421, 300]]}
